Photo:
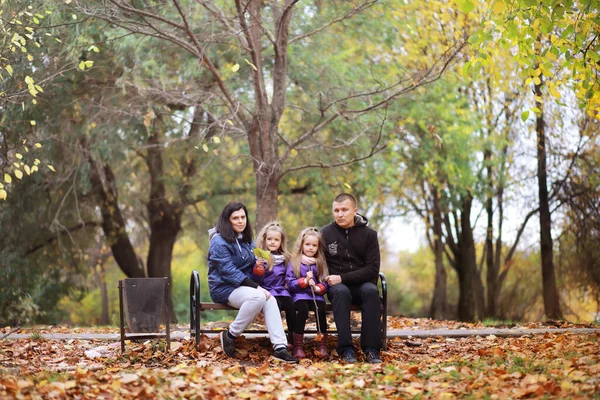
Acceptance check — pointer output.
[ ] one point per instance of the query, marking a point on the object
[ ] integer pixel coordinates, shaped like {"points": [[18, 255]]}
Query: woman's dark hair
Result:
{"points": [[224, 226]]}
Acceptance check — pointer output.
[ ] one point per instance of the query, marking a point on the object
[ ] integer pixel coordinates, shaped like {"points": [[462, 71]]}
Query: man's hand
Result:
{"points": [[333, 280]]}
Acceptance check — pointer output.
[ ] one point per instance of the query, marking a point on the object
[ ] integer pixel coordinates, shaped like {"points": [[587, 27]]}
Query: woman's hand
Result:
{"points": [[266, 292]]}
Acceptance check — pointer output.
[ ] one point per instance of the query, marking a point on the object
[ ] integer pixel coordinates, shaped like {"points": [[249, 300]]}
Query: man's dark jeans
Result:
{"points": [[366, 295]]}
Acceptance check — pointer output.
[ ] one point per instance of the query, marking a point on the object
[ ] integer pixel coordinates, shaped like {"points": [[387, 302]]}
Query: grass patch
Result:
{"points": [[455, 375], [498, 323], [525, 365], [426, 374], [571, 354], [517, 362], [53, 376]]}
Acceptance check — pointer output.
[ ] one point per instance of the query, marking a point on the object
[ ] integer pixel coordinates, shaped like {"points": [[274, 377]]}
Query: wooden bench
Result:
{"points": [[197, 307]]}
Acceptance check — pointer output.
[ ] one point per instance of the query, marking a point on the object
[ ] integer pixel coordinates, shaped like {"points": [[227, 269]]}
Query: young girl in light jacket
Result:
{"points": [[271, 275], [305, 280]]}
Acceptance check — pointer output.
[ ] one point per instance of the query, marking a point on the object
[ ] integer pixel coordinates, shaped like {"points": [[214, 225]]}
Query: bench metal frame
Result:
{"points": [[197, 307]]}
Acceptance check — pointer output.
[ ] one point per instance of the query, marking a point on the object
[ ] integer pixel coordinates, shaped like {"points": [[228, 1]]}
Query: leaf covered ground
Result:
{"points": [[534, 366]]}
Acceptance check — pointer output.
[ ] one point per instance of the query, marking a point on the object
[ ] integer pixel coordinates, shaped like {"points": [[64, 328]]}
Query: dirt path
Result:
{"points": [[399, 333]]}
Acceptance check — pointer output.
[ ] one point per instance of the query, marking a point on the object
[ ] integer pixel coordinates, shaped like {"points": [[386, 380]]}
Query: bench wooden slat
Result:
{"points": [[219, 306], [197, 307], [263, 331], [144, 335]]}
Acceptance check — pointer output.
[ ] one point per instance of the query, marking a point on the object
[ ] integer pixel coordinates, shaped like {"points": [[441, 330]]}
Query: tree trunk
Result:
{"points": [[493, 308], [479, 295], [466, 264], [551, 299], [267, 189], [263, 136], [113, 223], [164, 228], [491, 267], [100, 278], [267, 167], [164, 216], [439, 301]]}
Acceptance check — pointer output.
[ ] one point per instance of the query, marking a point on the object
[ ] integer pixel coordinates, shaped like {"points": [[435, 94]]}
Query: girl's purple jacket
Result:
{"points": [[294, 288], [274, 280]]}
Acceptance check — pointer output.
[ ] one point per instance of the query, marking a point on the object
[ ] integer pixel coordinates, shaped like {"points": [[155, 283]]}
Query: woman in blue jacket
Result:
{"points": [[230, 264]]}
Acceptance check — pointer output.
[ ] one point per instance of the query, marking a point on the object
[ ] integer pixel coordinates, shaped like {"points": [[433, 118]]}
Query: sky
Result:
{"points": [[407, 234]]}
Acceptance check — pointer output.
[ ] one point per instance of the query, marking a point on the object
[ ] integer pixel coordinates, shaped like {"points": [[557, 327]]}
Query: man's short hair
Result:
{"points": [[345, 196]]}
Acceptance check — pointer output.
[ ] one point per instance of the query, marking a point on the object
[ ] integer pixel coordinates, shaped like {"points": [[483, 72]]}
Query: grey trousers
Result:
{"points": [[250, 302]]}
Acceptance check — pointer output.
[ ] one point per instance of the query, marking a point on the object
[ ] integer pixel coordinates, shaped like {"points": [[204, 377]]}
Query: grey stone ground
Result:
{"points": [[178, 334]]}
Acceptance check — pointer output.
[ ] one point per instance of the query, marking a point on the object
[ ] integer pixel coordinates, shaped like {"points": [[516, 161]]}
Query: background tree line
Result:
{"points": [[126, 126]]}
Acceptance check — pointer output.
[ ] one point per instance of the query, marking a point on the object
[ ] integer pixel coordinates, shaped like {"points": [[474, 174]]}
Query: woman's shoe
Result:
{"points": [[283, 355], [228, 343]]}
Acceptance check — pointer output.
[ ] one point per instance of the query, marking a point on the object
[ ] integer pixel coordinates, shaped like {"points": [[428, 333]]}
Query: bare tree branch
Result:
{"points": [[152, 30], [375, 148], [356, 10], [74, 228], [143, 13], [218, 14]]}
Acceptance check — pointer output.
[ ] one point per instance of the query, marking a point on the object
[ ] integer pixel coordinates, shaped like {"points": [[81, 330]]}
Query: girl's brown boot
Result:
{"points": [[322, 348], [298, 346]]}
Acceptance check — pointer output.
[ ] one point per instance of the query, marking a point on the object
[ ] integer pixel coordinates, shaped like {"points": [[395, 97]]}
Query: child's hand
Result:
{"points": [[259, 268], [309, 275], [303, 283], [320, 288]]}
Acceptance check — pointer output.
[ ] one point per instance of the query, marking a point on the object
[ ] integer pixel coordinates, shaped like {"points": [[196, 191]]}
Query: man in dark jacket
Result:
{"points": [[352, 253]]}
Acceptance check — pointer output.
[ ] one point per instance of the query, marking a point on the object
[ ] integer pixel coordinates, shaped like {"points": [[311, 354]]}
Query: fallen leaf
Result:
{"points": [[129, 378]]}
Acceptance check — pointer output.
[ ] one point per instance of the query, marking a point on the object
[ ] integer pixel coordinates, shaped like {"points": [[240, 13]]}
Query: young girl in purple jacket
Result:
{"points": [[271, 276], [306, 283]]}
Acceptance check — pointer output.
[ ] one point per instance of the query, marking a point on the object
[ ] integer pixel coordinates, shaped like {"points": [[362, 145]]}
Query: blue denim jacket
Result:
{"points": [[228, 265]]}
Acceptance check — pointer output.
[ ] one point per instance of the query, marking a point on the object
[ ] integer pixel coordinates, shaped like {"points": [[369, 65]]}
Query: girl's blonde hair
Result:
{"points": [[261, 242], [319, 257]]}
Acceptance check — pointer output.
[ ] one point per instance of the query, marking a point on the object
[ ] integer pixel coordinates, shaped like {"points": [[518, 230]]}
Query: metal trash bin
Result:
{"points": [[143, 305]]}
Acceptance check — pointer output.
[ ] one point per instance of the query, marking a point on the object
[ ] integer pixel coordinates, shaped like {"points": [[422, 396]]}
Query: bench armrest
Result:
{"points": [[383, 282]]}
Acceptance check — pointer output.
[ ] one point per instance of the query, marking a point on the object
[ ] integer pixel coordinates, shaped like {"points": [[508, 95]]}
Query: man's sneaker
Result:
{"points": [[284, 355], [228, 343], [348, 356], [372, 357]]}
